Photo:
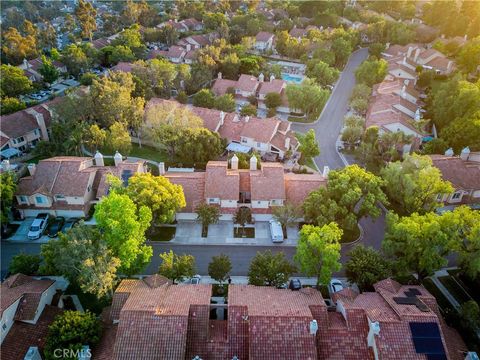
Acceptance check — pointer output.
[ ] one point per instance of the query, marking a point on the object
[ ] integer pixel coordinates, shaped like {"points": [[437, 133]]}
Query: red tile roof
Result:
{"points": [[123, 67], [462, 174], [193, 185], [275, 86], [220, 182], [268, 183], [298, 186], [264, 36], [247, 83], [221, 86], [18, 124]]}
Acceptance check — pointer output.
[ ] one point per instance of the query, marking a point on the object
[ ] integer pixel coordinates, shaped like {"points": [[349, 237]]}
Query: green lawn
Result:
{"points": [[300, 119], [148, 152]]}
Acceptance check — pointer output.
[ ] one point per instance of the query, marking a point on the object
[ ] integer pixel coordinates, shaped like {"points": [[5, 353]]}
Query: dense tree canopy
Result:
{"points": [[219, 268], [307, 97], [371, 72], [269, 269], [13, 81], [176, 267]]}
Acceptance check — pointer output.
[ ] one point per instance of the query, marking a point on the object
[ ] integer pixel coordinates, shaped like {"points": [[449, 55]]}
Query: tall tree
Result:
{"points": [[351, 193], [95, 137], [123, 226], [198, 145], [318, 251], [366, 266], [413, 184], [287, 215], [47, 37], [307, 97], [176, 267], [308, 145], [322, 73], [204, 98], [48, 71], [207, 215], [118, 139], [25, 264], [13, 81], [75, 59], [85, 14], [269, 269], [417, 242], [371, 72], [17, 47], [242, 216], [219, 268], [7, 191]]}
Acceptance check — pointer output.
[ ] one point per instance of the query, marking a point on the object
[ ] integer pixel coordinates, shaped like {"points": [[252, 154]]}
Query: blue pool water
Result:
{"points": [[292, 78]]}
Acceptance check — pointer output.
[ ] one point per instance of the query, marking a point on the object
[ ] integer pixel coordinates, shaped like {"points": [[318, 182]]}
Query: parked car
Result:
{"points": [[55, 226], [69, 223], [276, 231], [37, 228], [335, 286], [295, 284], [195, 279]]}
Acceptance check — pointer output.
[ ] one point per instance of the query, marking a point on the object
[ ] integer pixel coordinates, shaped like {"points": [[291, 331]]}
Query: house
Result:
{"points": [[23, 129], [270, 135], [31, 68], [23, 299], [248, 85], [264, 41], [68, 186], [176, 54], [182, 26], [463, 172], [123, 67], [153, 319], [298, 33], [227, 186]]}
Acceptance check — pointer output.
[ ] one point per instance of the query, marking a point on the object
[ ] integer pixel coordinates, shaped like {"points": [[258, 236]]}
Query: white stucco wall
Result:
{"points": [[228, 203], [260, 204], [7, 319]]}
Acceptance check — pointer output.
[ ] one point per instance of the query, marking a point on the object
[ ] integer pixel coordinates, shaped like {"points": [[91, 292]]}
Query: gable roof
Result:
{"points": [[18, 124], [220, 182], [263, 36], [268, 183], [247, 83], [462, 174]]}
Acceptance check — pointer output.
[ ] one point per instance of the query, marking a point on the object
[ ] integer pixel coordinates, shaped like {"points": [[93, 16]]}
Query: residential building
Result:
{"points": [[267, 136], [298, 33], [463, 172], [153, 319], [264, 41], [248, 85], [31, 68], [258, 188], [23, 129], [68, 186], [182, 26]]}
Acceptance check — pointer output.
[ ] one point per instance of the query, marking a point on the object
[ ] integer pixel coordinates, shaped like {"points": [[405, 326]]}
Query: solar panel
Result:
{"points": [[412, 292], [405, 300], [427, 340]]}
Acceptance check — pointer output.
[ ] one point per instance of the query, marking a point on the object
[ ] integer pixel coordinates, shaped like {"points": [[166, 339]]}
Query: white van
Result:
{"points": [[276, 231]]}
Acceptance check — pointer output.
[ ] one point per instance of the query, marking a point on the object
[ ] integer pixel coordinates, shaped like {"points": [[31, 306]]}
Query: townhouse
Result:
{"points": [[260, 188], [152, 319], [463, 172], [31, 68], [264, 41], [68, 186], [267, 136], [248, 85], [20, 131]]}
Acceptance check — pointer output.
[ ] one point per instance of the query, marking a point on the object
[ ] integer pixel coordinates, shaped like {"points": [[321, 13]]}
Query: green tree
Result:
{"points": [[287, 215], [469, 56], [176, 267], [470, 316], [248, 110], [371, 72], [412, 185], [8, 186], [417, 242], [13, 81], [242, 216], [118, 139], [269, 269], [225, 103], [83, 257], [72, 330], [219, 268], [308, 145], [157, 193], [132, 39], [87, 78], [273, 100], [361, 91], [213, 20], [25, 264], [359, 105], [123, 226], [207, 214], [342, 50], [322, 73], [204, 98], [462, 132], [75, 59], [366, 266], [307, 97], [351, 193], [16, 47], [318, 251], [197, 145], [158, 77], [376, 49], [47, 37], [85, 14], [11, 105], [48, 71]]}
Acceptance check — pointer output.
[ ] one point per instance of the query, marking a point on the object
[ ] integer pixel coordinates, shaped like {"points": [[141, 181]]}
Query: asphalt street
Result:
{"points": [[328, 126]]}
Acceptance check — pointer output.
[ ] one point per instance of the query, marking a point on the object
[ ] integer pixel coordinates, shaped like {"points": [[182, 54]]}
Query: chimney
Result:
{"points": [[222, 117], [404, 93], [253, 163], [219, 76], [32, 354], [326, 170], [261, 77], [287, 142], [5, 165], [234, 162], [449, 152], [409, 51], [247, 118], [464, 155], [406, 82], [313, 327], [161, 168], [374, 330], [31, 169], [189, 47], [272, 77], [99, 159], [449, 66], [404, 62], [387, 45], [117, 158], [417, 52]]}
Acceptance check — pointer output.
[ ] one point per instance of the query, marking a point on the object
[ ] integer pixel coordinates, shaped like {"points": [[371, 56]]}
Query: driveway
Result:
{"points": [[329, 124]]}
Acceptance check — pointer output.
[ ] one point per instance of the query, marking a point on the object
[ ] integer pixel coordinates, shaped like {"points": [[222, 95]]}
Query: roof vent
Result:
{"points": [[449, 152], [313, 327]]}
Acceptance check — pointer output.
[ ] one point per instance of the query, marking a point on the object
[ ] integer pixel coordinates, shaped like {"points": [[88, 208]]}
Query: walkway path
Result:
{"points": [[329, 124]]}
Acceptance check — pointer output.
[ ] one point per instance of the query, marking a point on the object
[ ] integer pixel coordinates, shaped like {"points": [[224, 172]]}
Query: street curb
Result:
{"points": [[217, 244], [340, 155], [360, 237]]}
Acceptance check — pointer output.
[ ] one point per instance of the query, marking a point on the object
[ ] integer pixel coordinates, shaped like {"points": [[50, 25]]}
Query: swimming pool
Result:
{"points": [[292, 78]]}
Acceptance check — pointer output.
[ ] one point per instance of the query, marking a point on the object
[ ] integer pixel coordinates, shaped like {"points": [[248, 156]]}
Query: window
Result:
{"points": [[36, 131], [39, 200], [439, 197], [213, 200], [23, 199], [456, 195], [89, 188], [244, 140], [59, 197], [259, 144], [18, 140], [4, 327]]}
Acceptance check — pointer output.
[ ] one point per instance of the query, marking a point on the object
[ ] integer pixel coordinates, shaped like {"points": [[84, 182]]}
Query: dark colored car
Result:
{"points": [[55, 226], [295, 284], [70, 223]]}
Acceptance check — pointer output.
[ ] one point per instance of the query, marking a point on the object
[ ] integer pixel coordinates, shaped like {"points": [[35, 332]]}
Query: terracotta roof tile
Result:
{"points": [[221, 86], [275, 86], [247, 83], [263, 36], [460, 173], [193, 185], [268, 183], [298, 186], [220, 182]]}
